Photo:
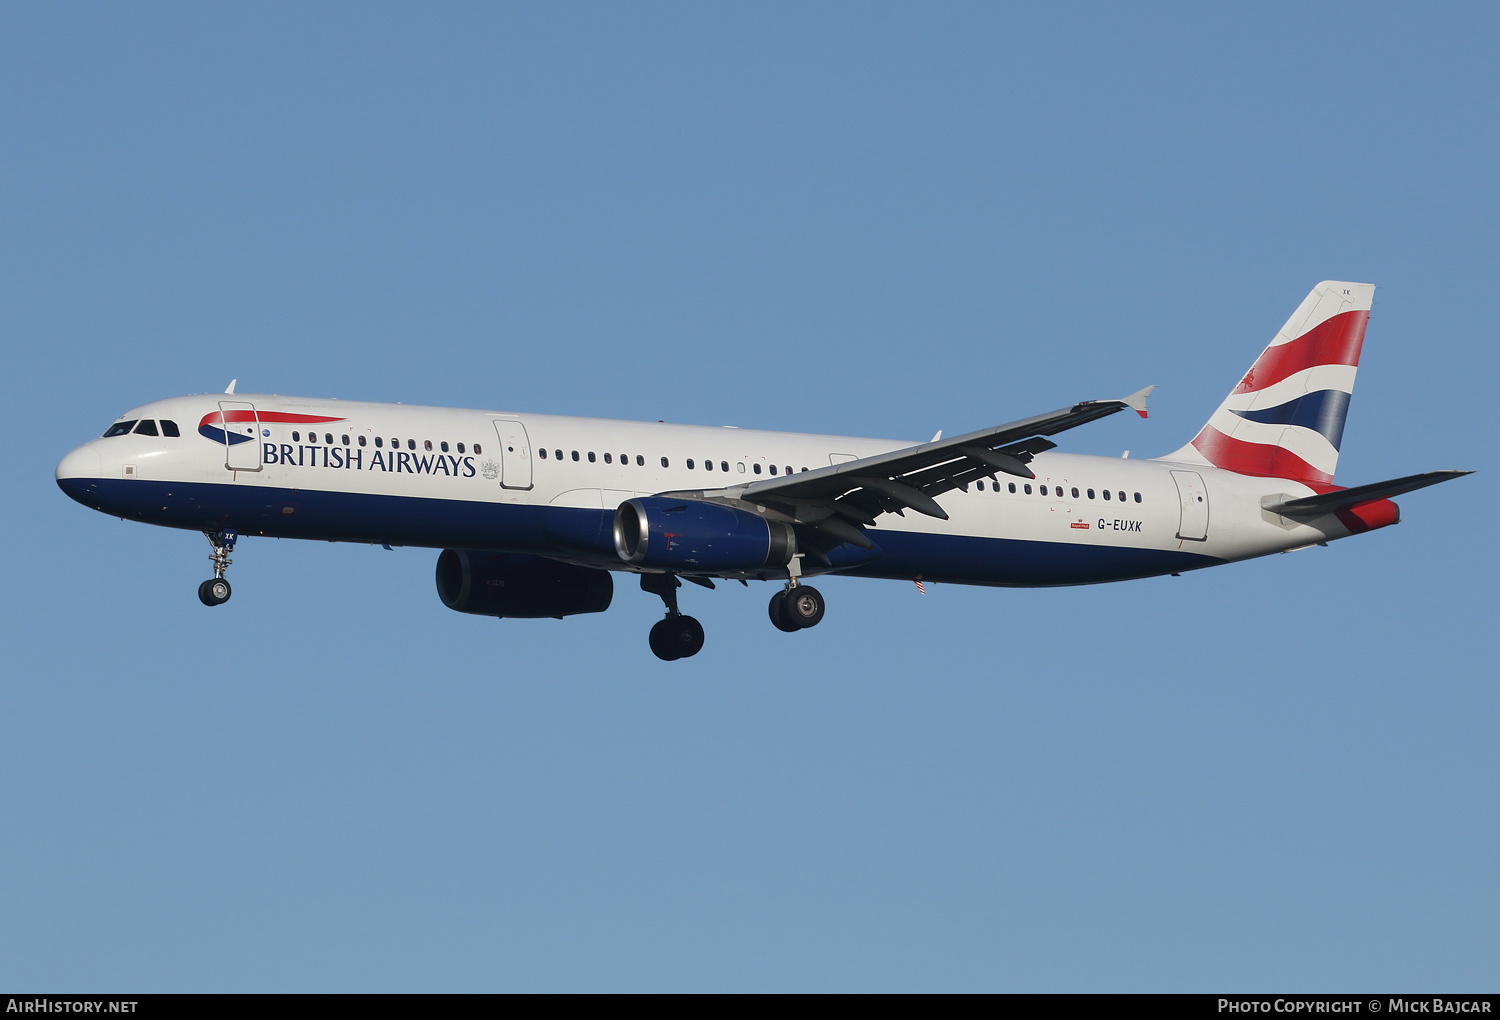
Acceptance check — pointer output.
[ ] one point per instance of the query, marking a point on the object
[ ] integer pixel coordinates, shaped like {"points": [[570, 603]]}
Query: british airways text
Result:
{"points": [[380, 460]]}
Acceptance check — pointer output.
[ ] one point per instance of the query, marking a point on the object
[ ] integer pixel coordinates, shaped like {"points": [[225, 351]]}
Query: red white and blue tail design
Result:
{"points": [[1285, 419]]}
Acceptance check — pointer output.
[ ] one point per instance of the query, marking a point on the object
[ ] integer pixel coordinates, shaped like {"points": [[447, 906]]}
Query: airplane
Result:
{"points": [[535, 513]]}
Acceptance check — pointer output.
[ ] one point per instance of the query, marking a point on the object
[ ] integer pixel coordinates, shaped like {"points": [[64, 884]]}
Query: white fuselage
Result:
{"points": [[444, 477]]}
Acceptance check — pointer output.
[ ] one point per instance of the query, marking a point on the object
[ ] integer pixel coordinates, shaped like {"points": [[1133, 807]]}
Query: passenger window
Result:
{"points": [[575, 454], [773, 469], [1042, 490], [461, 450], [708, 465], [1106, 493], [169, 428], [789, 469], [555, 453], [427, 445], [1122, 497], [609, 459], [723, 465], [741, 465], [1028, 488], [1090, 493], [689, 463], [1012, 486], [1137, 497], [1075, 492], [664, 462], [591, 457], [147, 427], [757, 469], [476, 448], [640, 461], [296, 437], [328, 438], [411, 444], [345, 440], [361, 440], [378, 441], [443, 446], [542, 452]]}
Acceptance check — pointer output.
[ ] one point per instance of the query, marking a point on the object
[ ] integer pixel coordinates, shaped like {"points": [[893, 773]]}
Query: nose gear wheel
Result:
{"points": [[216, 591]]}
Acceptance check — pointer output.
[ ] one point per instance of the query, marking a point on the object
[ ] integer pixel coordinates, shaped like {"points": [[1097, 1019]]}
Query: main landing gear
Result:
{"points": [[798, 607], [676, 636], [216, 591]]}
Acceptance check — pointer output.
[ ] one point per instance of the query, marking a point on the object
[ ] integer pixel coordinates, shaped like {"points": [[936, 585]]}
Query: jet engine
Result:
{"points": [[697, 537], [517, 585]]}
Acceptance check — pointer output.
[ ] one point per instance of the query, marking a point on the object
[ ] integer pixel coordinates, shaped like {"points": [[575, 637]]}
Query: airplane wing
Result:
{"points": [[1344, 499], [830, 505]]}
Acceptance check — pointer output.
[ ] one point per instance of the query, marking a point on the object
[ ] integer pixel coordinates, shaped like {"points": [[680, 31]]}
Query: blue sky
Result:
{"points": [[848, 218]]}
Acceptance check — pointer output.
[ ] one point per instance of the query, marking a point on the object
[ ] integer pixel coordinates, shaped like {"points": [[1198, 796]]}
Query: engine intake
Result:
{"points": [[694, 536], [519, 586]]}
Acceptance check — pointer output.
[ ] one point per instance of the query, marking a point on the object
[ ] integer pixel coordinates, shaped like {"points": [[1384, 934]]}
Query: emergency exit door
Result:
{"points": [[515, 454], [1194, 496]]}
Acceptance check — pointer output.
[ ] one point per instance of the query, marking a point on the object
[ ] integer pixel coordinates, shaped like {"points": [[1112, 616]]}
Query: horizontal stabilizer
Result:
{"points": [[1343, 499]]}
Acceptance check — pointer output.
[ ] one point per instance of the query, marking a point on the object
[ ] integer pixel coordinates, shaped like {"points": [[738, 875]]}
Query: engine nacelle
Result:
{"points": [[693, 536], [516, 585]]}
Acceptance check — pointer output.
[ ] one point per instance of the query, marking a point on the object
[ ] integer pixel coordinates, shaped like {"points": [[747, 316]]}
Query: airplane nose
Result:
{"points": [[81, 463]]}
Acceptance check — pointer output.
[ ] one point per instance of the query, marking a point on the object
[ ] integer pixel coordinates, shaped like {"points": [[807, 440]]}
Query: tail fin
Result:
{"points": [[1285, 419]]}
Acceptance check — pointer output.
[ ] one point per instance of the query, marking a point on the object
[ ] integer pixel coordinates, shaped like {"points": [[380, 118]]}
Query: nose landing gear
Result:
{"points": [[216, 591], [676, 636]]}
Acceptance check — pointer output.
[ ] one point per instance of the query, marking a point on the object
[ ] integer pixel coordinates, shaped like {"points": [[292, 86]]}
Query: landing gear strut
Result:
{"points": [[676, 636], [216, 591]]}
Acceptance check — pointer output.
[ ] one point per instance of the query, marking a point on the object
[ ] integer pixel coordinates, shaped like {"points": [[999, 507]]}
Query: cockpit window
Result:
{"points": [[169, 428], [147, 427], [119, 428]]}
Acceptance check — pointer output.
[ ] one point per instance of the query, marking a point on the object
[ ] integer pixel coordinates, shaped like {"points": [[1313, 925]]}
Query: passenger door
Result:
{"points": [[1194, 496], [241, 435], [515, 454]]}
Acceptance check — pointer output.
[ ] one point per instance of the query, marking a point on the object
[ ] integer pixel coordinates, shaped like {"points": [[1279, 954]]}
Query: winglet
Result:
{"points": [[230, 387], [1137, 400]]}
